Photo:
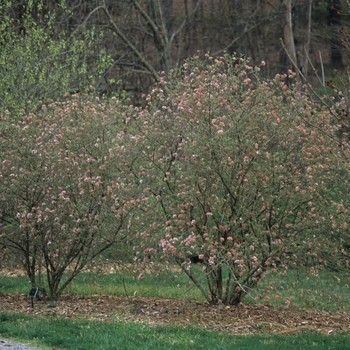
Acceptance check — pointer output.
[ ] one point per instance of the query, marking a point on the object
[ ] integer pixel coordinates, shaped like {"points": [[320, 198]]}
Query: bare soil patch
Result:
{"points": [[242, 319]]}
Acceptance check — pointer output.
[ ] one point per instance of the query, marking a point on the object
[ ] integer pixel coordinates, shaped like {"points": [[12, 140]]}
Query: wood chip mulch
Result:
{"points": [[242, 319]]}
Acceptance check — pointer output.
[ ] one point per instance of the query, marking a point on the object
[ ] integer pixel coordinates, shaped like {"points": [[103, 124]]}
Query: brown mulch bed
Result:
{"points": [[242, 319]]}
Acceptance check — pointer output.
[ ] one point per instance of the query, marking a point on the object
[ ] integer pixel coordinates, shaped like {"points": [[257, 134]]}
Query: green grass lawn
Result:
{"points": [[59, 333], [329, 291], [123, 283]]}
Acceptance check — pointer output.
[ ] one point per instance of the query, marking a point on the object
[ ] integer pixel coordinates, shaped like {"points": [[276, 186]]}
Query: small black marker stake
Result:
{"points": [[33, 292]]}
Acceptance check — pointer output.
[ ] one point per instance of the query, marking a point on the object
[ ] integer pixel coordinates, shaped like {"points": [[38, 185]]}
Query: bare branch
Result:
{"points": [[129, 43], [85, 21]]}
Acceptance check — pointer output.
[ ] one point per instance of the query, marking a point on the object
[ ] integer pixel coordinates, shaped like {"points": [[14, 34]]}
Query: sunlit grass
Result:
{"points": [[327, 291], [62, 334], [120, 283], [165, 285]]}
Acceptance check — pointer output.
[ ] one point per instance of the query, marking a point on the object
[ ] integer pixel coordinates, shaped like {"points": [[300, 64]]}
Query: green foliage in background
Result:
{"points": [[38, 62]]}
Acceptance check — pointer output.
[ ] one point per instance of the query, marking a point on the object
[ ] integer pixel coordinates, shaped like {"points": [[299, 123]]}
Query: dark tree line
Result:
{"points": [[146, 37]]}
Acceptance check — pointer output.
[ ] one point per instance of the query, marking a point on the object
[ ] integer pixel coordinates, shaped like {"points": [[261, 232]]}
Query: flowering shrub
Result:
{"points": [[223, 174], [237, 178], [65, 193]]}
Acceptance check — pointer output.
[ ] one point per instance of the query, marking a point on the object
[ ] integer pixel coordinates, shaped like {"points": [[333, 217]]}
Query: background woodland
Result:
{"points": [[143, 38]]}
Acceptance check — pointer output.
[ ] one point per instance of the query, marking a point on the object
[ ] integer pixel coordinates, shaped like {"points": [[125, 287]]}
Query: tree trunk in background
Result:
{"points": [[288, 36], [303, 53], [241, 27], [157, 21], [334, 21]]}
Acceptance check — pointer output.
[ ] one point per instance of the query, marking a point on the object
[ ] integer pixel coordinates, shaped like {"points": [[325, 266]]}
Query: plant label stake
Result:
{"points": [[33, 292]]}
